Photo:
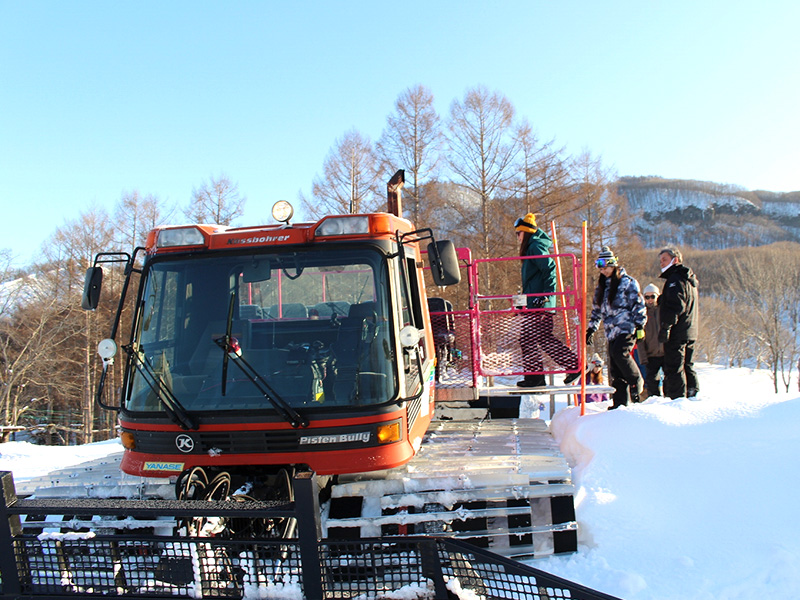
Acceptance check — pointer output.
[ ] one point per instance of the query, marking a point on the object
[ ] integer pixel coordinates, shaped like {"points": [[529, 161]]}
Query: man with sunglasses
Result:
{"points": [[678, 330], [652, 351], [619, 305]]}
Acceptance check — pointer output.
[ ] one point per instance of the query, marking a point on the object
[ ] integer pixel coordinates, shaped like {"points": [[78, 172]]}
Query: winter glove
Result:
{"points": [[663, 335], [639, 333], [538, 302], [590, 336]]}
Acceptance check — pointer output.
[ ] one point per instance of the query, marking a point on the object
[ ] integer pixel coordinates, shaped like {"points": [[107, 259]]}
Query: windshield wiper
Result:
{"points": [[172, 406], [231, 349], [230, 346], [227, 340]]}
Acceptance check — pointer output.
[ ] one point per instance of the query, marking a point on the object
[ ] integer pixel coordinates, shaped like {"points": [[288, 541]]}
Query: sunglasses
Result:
{"points": [[649, 297], [605, 262]]}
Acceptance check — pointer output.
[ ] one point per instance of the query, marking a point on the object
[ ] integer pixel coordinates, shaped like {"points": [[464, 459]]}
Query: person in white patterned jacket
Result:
{"points": [[618, 303]]}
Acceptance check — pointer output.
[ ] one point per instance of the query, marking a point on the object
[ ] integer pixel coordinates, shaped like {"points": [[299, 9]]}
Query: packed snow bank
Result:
{"points": [[687, 499], [28, 460]]}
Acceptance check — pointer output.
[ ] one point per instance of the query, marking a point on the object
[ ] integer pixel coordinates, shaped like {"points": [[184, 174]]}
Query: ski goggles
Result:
{"points": [[605, 262], [524, 223]]}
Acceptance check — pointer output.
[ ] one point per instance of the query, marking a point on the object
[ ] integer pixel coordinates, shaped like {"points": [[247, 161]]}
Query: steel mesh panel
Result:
{"points": [[494, 580], [365, 570], [211, 568], [150, 567], [436, 569], [493, 577], [453, 341]]}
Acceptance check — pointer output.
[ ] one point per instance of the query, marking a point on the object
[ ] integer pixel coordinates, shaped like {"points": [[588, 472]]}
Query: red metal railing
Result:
{"points": [[491, 337]]}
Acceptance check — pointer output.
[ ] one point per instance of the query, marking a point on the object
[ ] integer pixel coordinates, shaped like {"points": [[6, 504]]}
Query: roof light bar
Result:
{"points": [[182, 236], [346, 225]]}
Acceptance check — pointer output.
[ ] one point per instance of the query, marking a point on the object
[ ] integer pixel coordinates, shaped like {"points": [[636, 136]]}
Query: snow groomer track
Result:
{"points": [[501, 484]]}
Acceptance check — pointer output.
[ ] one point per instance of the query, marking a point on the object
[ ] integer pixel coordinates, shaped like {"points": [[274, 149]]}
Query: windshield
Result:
{"points": [[309, 327]]}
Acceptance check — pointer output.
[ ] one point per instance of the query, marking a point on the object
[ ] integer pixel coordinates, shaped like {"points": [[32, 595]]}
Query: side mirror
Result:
{"points": [[444, 263], [91, 288]]}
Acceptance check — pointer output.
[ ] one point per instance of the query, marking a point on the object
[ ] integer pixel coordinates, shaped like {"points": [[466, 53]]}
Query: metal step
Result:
{"points": [[546, 390]]}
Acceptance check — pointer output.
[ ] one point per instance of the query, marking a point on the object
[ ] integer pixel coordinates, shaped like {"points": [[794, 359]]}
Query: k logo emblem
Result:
{"points": [[184, 443]]}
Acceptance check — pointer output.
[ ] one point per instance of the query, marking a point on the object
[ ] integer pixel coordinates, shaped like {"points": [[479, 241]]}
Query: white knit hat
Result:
{"points": [[651, 288]]}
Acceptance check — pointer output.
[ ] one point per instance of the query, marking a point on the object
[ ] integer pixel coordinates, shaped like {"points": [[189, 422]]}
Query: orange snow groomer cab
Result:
{"points": [[291, 344]]}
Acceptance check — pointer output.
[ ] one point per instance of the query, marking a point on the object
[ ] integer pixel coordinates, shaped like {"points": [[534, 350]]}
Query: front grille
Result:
{"points": [[243, 442], [413, 411]]}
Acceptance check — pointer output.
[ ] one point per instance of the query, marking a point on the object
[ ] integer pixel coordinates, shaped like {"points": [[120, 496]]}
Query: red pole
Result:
{"points": [[582, 320], [559, 279]]}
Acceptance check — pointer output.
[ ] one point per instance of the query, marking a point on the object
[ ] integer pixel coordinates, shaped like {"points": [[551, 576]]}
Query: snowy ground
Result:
{"points": [[676, 499], [688, 499]]}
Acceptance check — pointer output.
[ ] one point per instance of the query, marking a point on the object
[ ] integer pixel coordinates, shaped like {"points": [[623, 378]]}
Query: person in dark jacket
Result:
{"points": [[539, 279], [678, 326], [652, 351], [619, 305]]}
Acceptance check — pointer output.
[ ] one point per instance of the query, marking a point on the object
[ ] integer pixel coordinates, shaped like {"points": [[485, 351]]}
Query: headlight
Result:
{"points": [[184, 236], [282, 211], [348, 225]]}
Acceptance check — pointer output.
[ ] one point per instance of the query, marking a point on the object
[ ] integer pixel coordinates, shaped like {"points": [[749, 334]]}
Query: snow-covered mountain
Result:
{"points": [[708, 215]]}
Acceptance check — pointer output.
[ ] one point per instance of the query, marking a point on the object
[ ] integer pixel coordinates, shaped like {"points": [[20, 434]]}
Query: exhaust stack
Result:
{"points": [[394, 193]]}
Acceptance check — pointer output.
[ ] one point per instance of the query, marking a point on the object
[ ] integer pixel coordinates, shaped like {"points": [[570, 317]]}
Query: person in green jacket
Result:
{"points": [[539, 284]]}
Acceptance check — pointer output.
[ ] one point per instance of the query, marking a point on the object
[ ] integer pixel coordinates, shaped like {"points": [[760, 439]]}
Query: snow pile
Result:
{"points": [[687, 499], [28, 460]]}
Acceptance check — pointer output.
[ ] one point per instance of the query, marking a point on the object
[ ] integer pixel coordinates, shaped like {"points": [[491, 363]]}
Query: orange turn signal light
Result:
{"points": [[127, 439], [389, 432]]}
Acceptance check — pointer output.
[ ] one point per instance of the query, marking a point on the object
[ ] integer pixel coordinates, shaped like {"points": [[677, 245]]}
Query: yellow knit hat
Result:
{"points": [[527, 223]]}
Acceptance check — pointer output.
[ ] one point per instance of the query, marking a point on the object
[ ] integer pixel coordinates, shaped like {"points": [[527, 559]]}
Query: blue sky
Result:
{"points": [[101, 98]]}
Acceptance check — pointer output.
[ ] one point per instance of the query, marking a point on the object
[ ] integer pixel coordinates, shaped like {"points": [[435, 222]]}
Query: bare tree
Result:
{"points": [[36, 343], [543, 174], [482, 153], [71, 250], [596, 201], [412, 140], [542, 184], [765, 283], [134, 216], [349, 181], [217, 201], [7, 292]]}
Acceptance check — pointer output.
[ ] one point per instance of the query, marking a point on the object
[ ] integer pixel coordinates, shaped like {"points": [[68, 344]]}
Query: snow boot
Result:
{"points": [[532, 381], [634, 392]]}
